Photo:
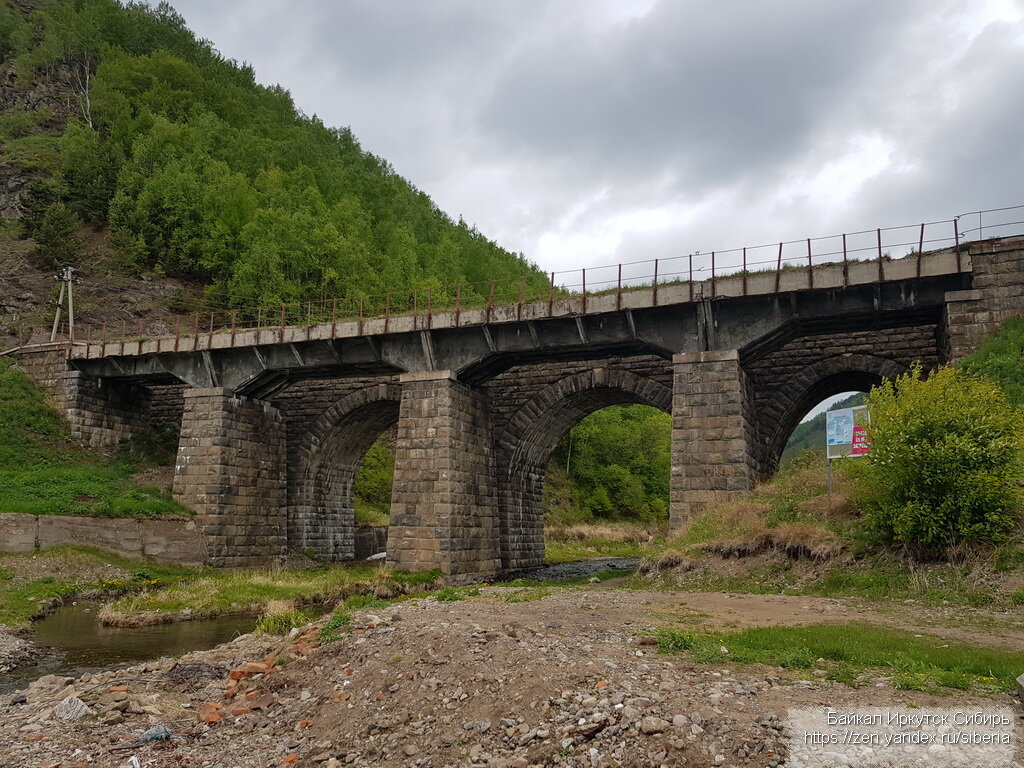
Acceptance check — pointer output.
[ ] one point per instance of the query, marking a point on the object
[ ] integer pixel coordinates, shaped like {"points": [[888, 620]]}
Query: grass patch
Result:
{"points": [[846, 651], [605, 575], [570, 543], [281, 617], [528, 595], [210, 592], [330, 632], [43, 471], [28, 580]]}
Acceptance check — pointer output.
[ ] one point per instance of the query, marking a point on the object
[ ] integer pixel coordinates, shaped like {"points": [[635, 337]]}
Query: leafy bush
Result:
{"points": [[946, 460]]}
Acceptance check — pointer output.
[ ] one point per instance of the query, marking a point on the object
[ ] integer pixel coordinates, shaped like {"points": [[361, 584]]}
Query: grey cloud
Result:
{"points": [[708, 91]]}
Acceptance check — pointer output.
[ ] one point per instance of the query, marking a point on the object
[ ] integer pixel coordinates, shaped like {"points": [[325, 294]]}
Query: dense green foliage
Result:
{"points": [[1001, 358], [614, 464], [810, 435], [946, 460], [203, 173], [43, 472], [372, 489]]}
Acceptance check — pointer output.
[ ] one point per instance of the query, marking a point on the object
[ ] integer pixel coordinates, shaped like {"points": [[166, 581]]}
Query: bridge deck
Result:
{"points": [[827, 276]]}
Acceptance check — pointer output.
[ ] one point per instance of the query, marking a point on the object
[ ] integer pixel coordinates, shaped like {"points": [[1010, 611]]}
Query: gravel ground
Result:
{"points": [[562, 680], [14, 650]]}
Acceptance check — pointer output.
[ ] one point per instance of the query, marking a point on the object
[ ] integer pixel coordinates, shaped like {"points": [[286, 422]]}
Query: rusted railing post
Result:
{"points": [[618, 290], [458, 304], [415, 311], [334, 318], [584, 290], [280, 332], [956, 240], [522, 297], [881, 269], [744, 271], [810, 265], [490, 300], [551, 296], [430, 307], [387, 313], [234, 324], [361, 298], [195, 336], [714, 288], [920, 249], [654, 287], [778, 270], [177, 331], [690, 281], [846, 264]]}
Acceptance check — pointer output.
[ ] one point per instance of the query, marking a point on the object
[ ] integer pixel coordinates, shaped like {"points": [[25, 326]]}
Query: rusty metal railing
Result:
{"points": [[183, 332]]}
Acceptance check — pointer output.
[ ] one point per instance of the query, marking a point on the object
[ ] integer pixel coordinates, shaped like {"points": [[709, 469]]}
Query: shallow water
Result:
{"points": [[578, 569], [73, 642]]}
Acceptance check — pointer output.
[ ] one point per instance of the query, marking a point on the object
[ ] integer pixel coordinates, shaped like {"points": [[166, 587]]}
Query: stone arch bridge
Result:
{"points": [[274, 422]]}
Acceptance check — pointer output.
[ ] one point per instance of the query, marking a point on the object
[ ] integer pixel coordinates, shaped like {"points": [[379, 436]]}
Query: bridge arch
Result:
{"points": [[321, 512], [532, 434], [822, 379]]}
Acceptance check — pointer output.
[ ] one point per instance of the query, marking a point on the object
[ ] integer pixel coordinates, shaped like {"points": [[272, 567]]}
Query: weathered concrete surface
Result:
{"points": [[166, 541], [17, 532], [118, 535]]}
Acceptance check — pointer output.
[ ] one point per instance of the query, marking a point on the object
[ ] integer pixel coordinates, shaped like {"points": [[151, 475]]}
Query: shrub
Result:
{"points": [[946, 458], [57, 241]]}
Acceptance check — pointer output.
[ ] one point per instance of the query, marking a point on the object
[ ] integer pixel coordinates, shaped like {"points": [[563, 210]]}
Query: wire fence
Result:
{"points": [[700, 270]]}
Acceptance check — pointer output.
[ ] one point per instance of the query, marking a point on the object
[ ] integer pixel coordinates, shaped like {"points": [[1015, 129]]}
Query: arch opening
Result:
{"points": [[787, 405], [322, 519], [534, 434]]}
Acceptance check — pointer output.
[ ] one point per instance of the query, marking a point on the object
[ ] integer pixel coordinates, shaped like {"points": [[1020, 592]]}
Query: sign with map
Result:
{"points": [[846, 432]]}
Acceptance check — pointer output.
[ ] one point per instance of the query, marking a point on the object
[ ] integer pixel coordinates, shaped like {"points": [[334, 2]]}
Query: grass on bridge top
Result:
{"points": [[44, 472]]}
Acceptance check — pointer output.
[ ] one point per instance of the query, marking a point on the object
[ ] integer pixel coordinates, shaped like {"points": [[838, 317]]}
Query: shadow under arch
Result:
{"points": [[321, 511], [823, 379], [526, 444]]}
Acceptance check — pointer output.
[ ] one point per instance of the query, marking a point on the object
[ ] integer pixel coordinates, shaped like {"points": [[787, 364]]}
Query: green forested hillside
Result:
{"points": [[202, 173]]}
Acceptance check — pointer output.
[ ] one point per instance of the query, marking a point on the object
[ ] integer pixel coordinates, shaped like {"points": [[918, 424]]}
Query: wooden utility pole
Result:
{"points": [[67, 279]]}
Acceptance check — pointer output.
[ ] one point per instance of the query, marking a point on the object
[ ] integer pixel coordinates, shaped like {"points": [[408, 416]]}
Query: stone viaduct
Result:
{"points": [[274, 422]]}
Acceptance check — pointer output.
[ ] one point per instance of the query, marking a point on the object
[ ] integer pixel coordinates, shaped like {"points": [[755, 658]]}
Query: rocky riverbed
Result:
{"points": [[15, 650], [563, 679]]}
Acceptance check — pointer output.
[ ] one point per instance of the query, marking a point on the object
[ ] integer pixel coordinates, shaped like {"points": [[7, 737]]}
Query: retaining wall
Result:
{"points": [[168, 541]]}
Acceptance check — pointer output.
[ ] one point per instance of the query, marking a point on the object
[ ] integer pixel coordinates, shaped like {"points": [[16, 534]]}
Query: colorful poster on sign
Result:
{"points": [[861, 443], [839, 426]]}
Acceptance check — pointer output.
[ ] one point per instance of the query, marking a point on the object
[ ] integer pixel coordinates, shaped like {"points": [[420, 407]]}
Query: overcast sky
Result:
{"points": [[587, 132]]}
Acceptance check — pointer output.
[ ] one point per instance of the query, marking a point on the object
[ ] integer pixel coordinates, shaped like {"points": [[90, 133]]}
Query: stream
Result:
{"points": [[73, 642]]}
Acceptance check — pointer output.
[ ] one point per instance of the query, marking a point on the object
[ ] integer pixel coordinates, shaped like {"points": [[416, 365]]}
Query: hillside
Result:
{"points": [[135, 150]]}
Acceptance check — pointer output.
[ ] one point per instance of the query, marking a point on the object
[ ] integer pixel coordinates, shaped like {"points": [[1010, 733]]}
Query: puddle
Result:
{"points": [[578, 569], [73, 642]]}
